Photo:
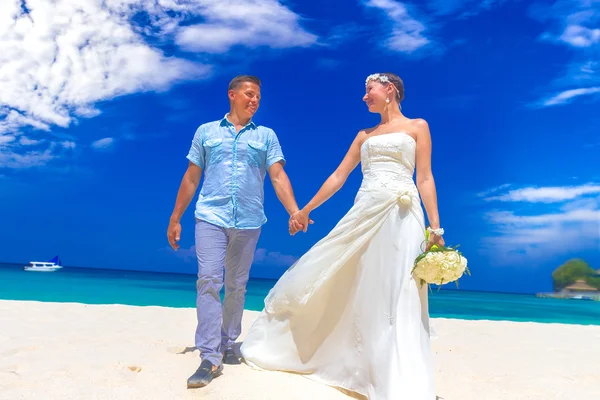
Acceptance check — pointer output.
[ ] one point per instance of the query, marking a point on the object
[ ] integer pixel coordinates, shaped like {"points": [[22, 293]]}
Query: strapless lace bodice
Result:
{"points": [[388, 162]]}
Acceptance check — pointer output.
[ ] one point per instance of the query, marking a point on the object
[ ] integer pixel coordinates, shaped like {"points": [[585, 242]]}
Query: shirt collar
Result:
{"points": [[226, 122]]}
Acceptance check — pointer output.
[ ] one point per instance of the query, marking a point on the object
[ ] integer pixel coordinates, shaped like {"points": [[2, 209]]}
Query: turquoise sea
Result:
{"points": [[94, 286]]}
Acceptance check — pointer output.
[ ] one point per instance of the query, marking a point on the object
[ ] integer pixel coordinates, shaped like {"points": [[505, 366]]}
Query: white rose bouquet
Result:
{"points": [[440, 265]]}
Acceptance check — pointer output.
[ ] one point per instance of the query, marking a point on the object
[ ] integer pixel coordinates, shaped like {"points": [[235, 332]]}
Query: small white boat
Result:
{"points": [[44, 266]]}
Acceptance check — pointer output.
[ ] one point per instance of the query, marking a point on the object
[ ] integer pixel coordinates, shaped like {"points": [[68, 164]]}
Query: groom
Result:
{"points": [[234, 153]]}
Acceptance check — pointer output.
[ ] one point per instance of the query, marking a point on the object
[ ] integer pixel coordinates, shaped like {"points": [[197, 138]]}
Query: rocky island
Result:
{"points": [[575, 279]]}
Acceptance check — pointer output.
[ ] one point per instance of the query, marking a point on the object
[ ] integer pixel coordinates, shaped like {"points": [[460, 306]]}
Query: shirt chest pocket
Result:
{"points": [[257, 153], [213, 149]]}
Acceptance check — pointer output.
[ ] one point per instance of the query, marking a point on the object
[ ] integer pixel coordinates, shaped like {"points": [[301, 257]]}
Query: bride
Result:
{"points": [[349, 313]]}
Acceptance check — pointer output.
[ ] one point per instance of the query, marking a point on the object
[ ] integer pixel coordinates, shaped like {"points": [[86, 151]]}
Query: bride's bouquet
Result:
{"points": [[440, 265]]}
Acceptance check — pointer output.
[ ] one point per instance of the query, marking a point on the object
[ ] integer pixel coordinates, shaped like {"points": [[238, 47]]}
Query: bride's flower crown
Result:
{"points": [[382, 79], [377, 77]]}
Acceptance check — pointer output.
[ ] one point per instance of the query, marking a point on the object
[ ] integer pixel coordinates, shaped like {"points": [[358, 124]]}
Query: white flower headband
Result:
{"points": [[381, 78], [377, 77]]}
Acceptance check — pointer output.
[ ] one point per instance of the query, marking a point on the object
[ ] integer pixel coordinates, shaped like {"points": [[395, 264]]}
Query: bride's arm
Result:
{"points": [[335, 181], [339, 176], [424, 177]]}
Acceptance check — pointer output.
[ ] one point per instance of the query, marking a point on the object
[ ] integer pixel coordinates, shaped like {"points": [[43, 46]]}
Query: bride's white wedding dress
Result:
{"points": [[349, 312]]}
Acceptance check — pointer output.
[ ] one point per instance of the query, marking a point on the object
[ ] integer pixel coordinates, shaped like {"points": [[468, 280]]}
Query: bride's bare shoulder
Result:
{"points": [[420, 129], [419, 125], [368, 131], [362, 135]]}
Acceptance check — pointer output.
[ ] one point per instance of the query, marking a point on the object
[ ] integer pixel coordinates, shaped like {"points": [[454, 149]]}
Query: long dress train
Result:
{"points": [[349, 313]]}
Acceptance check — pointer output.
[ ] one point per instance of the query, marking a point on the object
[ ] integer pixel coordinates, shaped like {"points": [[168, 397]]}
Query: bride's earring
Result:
{"points": [[387, 100]]}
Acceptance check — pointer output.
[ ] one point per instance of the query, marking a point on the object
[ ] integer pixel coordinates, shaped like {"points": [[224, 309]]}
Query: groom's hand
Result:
{"points": [[173, 234], [299, 221], [293, 225]]}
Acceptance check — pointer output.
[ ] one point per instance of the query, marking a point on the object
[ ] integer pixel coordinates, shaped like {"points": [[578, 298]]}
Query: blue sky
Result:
{"points": [[100, 101]]}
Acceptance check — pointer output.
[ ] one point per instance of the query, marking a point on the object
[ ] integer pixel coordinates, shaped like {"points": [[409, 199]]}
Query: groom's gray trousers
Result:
{"points": [[224, 256]]}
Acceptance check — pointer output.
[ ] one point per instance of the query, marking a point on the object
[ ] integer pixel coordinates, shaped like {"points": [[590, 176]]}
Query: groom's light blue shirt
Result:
{"points": [[235, 166]]}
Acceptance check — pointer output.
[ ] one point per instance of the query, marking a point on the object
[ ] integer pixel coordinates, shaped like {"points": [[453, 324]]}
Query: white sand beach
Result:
{"points": [[76, 351]]}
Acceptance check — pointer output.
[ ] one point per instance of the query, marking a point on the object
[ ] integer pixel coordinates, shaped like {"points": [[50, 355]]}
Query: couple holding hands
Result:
{"points": [[348, 313]]}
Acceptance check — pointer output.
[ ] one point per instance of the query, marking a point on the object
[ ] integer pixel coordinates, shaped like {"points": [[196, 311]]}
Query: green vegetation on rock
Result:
{"points": [[573, 270]]}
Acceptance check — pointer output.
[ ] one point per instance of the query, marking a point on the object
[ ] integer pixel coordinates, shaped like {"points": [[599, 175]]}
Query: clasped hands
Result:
{"points": [[299, 221]]}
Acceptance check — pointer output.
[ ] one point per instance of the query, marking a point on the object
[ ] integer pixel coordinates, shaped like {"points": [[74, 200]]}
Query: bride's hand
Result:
{"points": [[293, 225], [434, 240], [299, 221]]}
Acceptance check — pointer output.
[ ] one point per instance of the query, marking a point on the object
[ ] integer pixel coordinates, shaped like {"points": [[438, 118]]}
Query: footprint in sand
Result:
{"points": [[13, 352], [10, 378], [180, 349]]}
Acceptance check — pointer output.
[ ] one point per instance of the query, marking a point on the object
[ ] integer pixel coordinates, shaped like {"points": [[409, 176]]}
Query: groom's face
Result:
{"points": [[245, 99]]}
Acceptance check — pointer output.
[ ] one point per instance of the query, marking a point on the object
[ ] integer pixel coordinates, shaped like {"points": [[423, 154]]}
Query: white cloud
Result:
{"points": [[25, 141], [574, 24], [247, 23], [29, 152], [581, 73], [25, 160], [490, 191], [262, 257], [59, 58], [273, 258], [344, 33], [5, 139], [103, 143], [545, 194], [187, 255], [552, 221], [527, 239], [580, 203], [12, 120], [573, 215], [567, 96], [580, 36], [407, 34], [67, 144]]}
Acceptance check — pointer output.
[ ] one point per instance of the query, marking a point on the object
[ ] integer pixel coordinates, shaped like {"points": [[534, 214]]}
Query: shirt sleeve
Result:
{"points": [[196, 153], [274, 153]]}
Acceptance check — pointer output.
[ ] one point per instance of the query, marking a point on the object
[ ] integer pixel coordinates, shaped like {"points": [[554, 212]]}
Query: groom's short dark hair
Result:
{"points": [[238, 80]]}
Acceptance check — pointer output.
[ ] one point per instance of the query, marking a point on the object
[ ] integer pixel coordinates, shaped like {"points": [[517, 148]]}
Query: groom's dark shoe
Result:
{"points": [[229, 357], [204, 375]]}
